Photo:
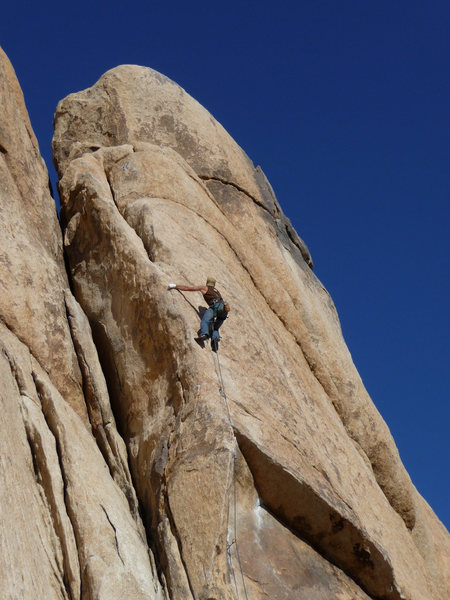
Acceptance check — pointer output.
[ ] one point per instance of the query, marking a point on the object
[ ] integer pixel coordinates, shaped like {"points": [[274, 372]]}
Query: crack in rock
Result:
{"points": [[115, 532]]}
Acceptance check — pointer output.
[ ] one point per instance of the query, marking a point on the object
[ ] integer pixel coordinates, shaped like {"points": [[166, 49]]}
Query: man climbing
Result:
{"points": [[215, 315]]}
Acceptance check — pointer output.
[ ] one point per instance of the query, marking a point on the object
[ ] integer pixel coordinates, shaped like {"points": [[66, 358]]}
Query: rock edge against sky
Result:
{"points": [[118, 461]]}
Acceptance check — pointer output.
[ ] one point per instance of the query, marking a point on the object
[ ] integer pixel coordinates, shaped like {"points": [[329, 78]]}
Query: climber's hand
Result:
{"points": [[171, 286]]}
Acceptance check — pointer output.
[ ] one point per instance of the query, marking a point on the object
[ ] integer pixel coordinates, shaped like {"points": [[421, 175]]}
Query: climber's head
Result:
{"points": [[211, 281]]}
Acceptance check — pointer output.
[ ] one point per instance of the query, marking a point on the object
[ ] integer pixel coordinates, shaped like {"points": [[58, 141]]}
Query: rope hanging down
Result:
{"points": [[235, 541]]}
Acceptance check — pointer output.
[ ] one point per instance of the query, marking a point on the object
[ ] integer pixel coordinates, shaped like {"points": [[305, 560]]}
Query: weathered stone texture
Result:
{"points": [[69, 520], [156, 191], [136, 464], [32, 273]]}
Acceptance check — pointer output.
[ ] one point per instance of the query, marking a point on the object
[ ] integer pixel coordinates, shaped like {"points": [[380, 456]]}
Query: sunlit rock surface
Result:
{"points": [[135, 463], [154, 190], [69, 519]]}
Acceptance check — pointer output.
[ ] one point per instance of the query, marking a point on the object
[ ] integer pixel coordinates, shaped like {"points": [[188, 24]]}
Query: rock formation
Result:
{"points": [[69, 520], [138, 464]]}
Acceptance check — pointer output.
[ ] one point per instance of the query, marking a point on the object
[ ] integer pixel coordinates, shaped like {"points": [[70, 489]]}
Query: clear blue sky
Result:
{"points": [[345, 105]]}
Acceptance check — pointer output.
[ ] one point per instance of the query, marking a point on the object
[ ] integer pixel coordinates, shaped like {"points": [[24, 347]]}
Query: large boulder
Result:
{"points": [[272, 446]]}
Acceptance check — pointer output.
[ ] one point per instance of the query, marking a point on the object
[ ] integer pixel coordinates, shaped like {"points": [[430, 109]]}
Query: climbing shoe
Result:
{"points": [[201, 339]]}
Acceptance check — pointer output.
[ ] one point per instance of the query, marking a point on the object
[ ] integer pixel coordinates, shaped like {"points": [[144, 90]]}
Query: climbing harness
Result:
{"points": [[220, 309], [235, 541]]}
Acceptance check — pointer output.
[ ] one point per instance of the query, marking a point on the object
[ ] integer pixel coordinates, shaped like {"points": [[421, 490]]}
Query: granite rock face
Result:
{"points": [[138, 464], [69, 519], [155, 191]]}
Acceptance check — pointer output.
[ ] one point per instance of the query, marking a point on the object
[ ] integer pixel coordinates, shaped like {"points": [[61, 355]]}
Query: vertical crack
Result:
{"points": [[174, 531], [59, 453], [41, 473], [115, 532]]}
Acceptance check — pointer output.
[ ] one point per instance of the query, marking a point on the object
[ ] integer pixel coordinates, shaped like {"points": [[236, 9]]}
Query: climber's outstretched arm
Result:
{"points": [[185, 288]]}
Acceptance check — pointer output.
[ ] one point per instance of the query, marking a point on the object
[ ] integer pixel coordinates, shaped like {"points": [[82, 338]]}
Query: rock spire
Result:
{"points": [[132, 457]]}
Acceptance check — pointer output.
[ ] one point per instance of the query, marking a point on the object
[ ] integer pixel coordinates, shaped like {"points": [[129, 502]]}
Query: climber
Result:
{"points": [[215, 315]]}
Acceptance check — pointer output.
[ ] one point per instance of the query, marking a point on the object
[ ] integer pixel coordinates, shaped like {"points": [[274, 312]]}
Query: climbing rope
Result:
{"points": [[235, 541], [222, 388]]}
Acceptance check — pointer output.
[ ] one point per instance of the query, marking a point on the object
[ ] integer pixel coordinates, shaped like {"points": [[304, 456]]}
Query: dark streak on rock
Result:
{"points": [[238, 188], [42, 393], [274, 216], [115, 532]]}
